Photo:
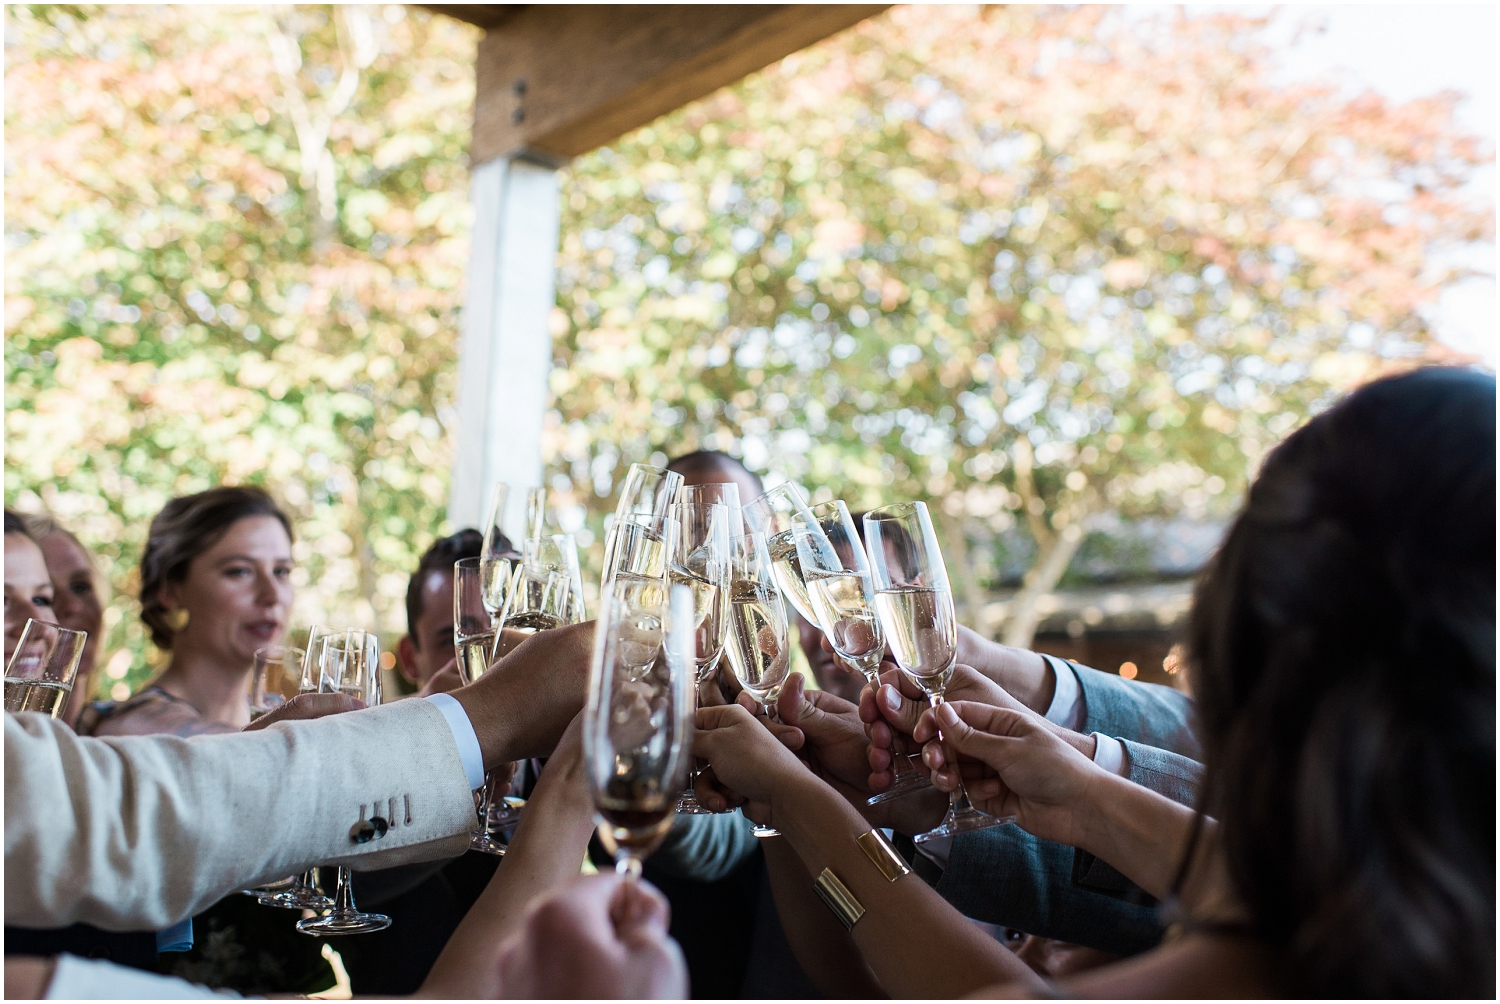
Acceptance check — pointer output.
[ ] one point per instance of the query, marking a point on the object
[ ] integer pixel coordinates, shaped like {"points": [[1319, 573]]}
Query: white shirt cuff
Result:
{"points": [[1109, 753], [1064, 707], [94, 979], [464, 735]]}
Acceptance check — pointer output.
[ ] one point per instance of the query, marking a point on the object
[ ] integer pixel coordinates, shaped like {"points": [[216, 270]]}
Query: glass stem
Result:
{"points": [[628, 866], [958, 798], [343, 897], [483, 808]]}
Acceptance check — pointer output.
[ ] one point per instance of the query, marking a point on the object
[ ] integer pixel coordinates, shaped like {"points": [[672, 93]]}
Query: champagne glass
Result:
{"points": [[837, 573], [756, 642], [648, 491], [40, 674], [353, 660], [474, 637], [724, 494], [305, 891], [773, 514], [700, 560], [536, 513], [638, 719], [496, 558], [636, 547], [276, 678], [558, 552], [915, 604]]}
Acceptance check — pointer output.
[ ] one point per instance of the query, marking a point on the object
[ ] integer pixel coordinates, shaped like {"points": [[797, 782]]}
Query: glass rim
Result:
{"points": [[832, 505], [469, 562], [62, 632], [800, 496], [264, 652], [896, 510]]}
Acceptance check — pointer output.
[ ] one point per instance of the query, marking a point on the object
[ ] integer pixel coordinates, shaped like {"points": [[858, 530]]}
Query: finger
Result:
{"points": [[640, 913], [896, 709], [723, 716], [307, 706], [747, 702], [789, 736], [868, 712], [789, 703], [966, 740]]}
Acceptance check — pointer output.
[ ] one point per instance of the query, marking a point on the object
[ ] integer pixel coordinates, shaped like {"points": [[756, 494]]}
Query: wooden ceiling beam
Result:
{"points": [[555, 81]]}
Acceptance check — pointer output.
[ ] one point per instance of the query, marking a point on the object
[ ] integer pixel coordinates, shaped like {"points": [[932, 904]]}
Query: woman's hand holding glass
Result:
{"points": [[752, 760], [1013, 763]]}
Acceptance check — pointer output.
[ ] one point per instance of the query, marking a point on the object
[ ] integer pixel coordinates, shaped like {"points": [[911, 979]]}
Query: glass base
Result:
{"points": [[761, 830], [336, 923], [297, 899], [962, 821], [905, 784], [688, 805], [487, 843]]}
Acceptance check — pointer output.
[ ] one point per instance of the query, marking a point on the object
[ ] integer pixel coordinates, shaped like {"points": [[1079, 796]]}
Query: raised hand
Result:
{"points": [[520, 707], [1014, 764], [833, 737], [305, 706], [749, 759], [603, 937]]}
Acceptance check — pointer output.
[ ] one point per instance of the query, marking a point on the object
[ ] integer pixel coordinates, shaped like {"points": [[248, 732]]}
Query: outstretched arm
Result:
{"points": [[543, 856], [914, 942]]}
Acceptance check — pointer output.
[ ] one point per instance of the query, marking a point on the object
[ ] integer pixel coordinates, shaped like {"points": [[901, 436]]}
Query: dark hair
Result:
{"points": [[184, 529], [15, 523], [1343, 649], [702, 460], [466, 543]]}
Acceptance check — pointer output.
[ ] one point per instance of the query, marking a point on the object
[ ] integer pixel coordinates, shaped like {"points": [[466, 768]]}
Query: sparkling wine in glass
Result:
{"points": [[42, 667], [837, 572], [757, 644], [773, 514], [638, 723], [700, 561], [474, 635], [915, 604]]}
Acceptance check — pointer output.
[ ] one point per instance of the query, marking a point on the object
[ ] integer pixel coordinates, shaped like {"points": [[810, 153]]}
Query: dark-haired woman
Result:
{"points": [[1343, 653], [215, 586]]}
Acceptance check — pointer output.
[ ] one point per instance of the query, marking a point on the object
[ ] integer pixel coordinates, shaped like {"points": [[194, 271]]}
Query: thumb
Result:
{"points": [[790, 705], [901, 712], [964, 738]]}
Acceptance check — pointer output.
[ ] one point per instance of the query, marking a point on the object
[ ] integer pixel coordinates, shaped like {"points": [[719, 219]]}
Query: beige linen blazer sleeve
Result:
{"points": [[140, 832]]}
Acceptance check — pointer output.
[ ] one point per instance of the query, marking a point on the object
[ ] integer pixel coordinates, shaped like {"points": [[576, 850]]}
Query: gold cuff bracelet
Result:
{"points": [[839, 899], [879, 850]]}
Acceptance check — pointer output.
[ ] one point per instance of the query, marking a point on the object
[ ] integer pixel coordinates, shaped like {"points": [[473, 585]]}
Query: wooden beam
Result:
{"points": [[484, 15], [555, 81]]}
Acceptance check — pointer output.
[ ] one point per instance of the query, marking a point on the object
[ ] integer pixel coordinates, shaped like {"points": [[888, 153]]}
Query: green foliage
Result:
{"points": [[1036, 264], [180, 311]]}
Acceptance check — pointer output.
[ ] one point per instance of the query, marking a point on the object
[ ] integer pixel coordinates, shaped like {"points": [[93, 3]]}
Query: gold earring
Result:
{"points": [[177, 619]]}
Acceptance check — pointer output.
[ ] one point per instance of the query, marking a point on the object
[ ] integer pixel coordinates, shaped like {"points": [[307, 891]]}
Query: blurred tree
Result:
{"points": [[235, 243], [1033, 263]]}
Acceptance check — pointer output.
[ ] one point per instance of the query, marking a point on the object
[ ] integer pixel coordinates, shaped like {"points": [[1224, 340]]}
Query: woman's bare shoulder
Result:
{"points": [[1197, 966]]}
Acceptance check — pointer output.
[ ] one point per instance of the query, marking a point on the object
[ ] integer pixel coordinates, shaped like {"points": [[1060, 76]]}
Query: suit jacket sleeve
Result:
{"points": [[140, 832], [1145, 713]]}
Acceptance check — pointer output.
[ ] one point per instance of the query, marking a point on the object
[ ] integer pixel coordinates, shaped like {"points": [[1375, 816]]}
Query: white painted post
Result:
{"points": [[506, 352]]}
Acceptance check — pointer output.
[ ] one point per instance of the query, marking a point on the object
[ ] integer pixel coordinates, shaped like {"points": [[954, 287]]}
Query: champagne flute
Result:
{"points": [[474, 638], [636, 547], [915, 604], [773, 514], [756, 642], [558, 552], [40, 674], [276, 678], [638, 719], [700, 560], [837, 573], [353, 661], [648, 491], [536, 513], [305, 892], [496, 558]]}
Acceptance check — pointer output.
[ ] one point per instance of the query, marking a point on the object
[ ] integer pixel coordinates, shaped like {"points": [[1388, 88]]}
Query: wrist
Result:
{"points": [[486, 709]]}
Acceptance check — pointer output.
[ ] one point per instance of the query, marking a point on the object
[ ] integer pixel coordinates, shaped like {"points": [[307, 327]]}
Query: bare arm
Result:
{"points": [[824, 950], [914, 942], [545, 854]]}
